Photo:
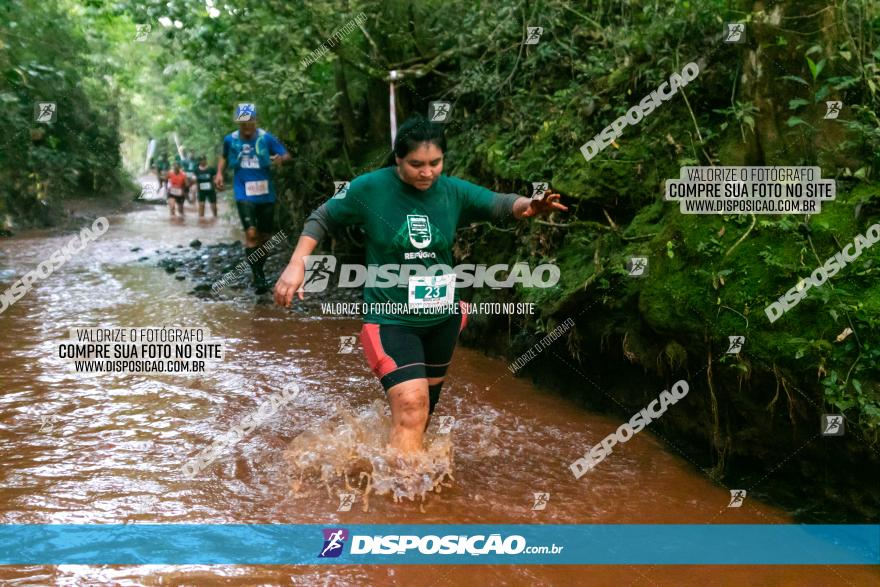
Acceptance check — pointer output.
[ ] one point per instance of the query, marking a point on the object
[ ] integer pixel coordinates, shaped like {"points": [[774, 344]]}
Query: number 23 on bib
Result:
{"points": [[431, 291]]}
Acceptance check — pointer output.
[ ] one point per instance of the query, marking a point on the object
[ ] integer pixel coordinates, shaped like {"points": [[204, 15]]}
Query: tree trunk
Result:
{"points": [[346, 113], [778, 39]]}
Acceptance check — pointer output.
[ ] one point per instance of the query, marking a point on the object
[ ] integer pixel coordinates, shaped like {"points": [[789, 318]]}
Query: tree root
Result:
{"points": [[630, 356], [781, 382], [772, 403], [743, 237], [719, 447]]}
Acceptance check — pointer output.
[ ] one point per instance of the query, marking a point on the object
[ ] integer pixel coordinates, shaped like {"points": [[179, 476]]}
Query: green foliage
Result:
{"points": [[44, 57], [743, 113]]}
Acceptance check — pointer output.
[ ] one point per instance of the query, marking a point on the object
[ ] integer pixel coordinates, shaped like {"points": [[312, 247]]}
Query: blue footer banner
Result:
{"points": [[516, 544]]}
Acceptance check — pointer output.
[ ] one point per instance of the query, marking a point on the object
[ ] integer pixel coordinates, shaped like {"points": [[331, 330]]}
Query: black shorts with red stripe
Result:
{"points": [[401, 353]]}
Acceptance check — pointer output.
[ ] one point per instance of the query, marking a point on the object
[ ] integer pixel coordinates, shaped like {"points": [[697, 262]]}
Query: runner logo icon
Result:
{"points": [[340, 189], [245, 112], [439, 111], [446, 423], [143, 30], [347, 344], [832, 425], [736, 344], [539, 189], [833, 109], [541, 500], [319, 268], [637, 266], [737, 496], [346, 500], [735, 32], [534, 35], [44, 111], [334, 541]]}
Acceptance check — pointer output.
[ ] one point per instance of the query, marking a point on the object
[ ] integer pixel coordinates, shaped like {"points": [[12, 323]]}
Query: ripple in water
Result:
{"points": [[354, 446]]}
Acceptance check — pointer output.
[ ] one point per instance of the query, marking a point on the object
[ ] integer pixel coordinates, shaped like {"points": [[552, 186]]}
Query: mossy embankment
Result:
{"points": [[752, 420]]}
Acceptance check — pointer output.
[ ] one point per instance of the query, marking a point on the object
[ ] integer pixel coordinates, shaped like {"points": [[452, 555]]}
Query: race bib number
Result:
{"points": [[256, 188], [250, 163], [431, 291], [175, 191], [205, 186]]}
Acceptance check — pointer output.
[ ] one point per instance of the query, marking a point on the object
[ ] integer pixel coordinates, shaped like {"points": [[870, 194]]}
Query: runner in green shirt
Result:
{"points": [[409, 212], [205, 185], [163, 166]]}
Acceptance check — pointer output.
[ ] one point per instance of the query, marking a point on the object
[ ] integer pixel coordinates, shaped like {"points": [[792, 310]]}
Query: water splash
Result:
{"points": [[354, 446]]}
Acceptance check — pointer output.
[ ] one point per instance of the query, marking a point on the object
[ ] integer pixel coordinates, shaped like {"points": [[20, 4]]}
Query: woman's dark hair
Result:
{"points": [[416, 130]]}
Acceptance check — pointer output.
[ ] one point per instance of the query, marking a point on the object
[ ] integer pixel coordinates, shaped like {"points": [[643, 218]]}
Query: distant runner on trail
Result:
{"points": [[176, 189], [162, 169], [205, 185], [410, 212], [189, 167], [250, 153]]}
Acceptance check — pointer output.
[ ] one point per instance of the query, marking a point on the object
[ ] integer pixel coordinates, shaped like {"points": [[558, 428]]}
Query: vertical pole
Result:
{"points": [[177, 142], [392, 108], [151, 149]]}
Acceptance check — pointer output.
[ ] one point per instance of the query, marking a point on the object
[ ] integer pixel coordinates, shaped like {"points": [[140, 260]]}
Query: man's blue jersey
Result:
{"points": [[252, 182]]}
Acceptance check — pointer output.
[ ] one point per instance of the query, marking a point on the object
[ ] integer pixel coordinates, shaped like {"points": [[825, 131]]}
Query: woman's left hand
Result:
{"points": [[549, 203]]}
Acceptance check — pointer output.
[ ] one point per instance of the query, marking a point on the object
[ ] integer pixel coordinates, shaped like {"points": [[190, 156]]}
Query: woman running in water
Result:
{"points": [[409, 212]]}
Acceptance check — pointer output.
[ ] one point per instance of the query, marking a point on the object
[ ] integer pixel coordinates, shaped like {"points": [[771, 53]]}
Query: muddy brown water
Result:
{"points": [[108, 448]]}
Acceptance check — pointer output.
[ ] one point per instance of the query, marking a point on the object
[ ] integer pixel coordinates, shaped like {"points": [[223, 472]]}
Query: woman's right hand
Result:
{"points": [[290, 282]]}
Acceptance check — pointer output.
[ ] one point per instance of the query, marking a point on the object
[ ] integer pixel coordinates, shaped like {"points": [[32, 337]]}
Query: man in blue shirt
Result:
{"points": [[250, 153]]}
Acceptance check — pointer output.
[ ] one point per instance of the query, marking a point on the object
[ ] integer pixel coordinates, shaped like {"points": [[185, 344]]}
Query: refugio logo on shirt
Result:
{"points": [[419, 230]]}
